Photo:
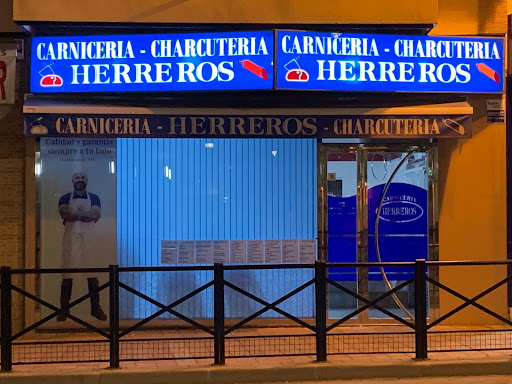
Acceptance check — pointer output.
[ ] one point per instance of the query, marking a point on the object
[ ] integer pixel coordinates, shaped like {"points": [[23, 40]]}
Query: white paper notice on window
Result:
{"points": [[169, 252], [238, 251], [204, 253], [307, 251], [221, 251], [273, 251], [186, 252], [254, 251], [290, 251]]}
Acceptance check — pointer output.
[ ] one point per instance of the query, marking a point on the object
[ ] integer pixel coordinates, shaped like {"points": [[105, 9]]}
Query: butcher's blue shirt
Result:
{"points": [[95, 200]]}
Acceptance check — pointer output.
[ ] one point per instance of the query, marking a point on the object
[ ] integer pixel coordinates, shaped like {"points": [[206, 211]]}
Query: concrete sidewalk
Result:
{"points": [[350, 365], [261, 370]]}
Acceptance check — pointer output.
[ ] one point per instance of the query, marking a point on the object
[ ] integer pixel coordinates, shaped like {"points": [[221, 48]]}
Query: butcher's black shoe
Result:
{"points": [[96, 310], [65, 296]]}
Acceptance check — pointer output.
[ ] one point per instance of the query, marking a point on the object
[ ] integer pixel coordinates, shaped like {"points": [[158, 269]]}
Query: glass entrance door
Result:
{"points": [[376, 204]]}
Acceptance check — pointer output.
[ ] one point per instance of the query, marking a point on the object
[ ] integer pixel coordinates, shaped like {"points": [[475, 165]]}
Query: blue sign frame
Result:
{"points": [[226, 61], [388, 63], [151, 63]]}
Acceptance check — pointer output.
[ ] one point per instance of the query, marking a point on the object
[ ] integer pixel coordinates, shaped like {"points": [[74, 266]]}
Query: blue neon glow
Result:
{"points": [[177, 62], [350, 62]]}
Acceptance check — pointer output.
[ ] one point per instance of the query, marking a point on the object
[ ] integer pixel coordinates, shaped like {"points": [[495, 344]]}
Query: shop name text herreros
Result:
{"points": [[249, 126]]}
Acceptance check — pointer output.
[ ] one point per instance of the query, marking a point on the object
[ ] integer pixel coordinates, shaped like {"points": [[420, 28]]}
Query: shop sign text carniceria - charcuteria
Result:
{"points": [[388, 63], [177, 62], [300, 60], [202, 124]]}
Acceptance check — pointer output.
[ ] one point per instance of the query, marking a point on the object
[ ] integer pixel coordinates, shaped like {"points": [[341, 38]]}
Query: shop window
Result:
{"points": [[154, 192]]}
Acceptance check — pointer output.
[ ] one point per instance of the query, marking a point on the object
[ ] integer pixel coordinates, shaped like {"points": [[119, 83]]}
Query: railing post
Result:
{"points": [[321, 310], [420, 306], [6, 318], [114, 315], [218, 309]]}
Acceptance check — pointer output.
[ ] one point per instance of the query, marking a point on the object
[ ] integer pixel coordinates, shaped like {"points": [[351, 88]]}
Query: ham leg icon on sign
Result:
{"points": [[296, 74]]}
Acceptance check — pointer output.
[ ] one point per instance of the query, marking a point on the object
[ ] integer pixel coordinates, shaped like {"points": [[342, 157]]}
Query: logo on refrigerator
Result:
{"points": [[401, 209], [49, 78], [296, 74]]}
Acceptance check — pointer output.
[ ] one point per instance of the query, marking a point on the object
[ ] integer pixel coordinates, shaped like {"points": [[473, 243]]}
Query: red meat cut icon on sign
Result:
{"points": [[49, 78], [297, 73], [51, 81]]}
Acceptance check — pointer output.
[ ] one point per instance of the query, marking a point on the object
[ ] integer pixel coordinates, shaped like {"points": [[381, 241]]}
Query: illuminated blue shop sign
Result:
{"points": [[244, 61], [178, 62], [350, 62]]}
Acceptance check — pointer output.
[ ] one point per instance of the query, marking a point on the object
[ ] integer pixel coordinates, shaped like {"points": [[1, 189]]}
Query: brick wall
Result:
{"points": [[492, 16], [12, 178]]}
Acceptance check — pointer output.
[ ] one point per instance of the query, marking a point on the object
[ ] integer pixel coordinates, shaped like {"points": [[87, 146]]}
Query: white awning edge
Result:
{"points": [[57, 107]]}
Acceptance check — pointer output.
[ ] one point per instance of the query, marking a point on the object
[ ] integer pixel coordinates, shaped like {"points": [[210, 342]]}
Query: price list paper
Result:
{"points": [[307, 251], [238, 251], [221, 251], [290, 251], [169, 252], [204, 253], [273, 251], [254, 251], [186, 252]]}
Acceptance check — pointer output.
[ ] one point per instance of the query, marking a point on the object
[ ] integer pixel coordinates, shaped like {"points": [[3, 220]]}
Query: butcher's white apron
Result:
{"points": [[75, 240]]}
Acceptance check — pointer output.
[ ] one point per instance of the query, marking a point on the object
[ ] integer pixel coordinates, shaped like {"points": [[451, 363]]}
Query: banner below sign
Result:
{"points": [[239, 126]]}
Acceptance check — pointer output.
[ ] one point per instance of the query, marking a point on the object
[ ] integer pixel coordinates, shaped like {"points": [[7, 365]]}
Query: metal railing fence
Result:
{"points": [[321, 336]]}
